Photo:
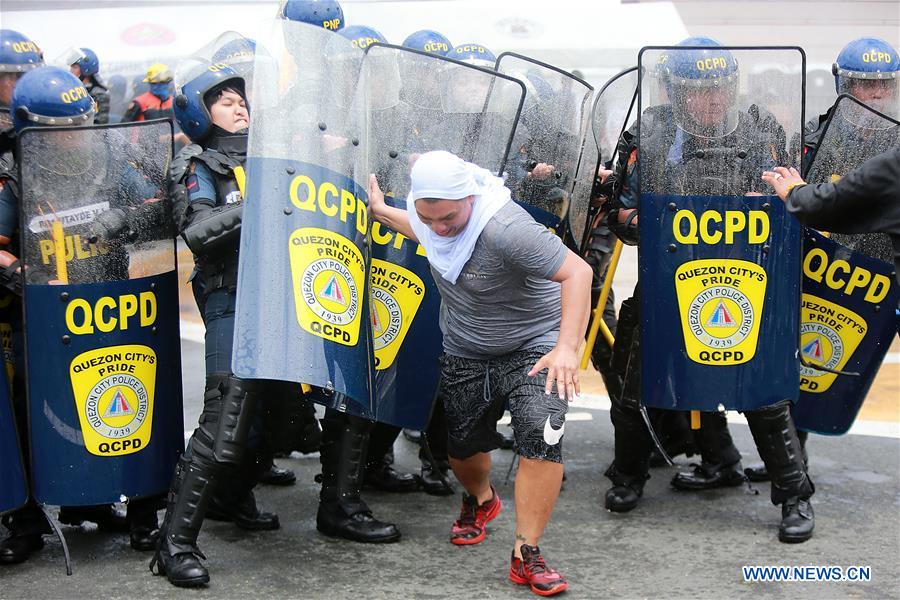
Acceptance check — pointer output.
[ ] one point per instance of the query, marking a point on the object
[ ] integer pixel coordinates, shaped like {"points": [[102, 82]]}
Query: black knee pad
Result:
{"points": [[229, 406]]}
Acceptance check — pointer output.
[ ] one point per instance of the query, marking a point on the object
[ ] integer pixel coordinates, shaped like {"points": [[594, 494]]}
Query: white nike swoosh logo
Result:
{"points": [[552, 436]]}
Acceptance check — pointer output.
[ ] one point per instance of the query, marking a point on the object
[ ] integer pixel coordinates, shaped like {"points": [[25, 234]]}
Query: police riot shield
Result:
{"points": [[849, 292], [614, 111], [853, 133], [14, 490], [302, 308], [102, 349], [478, 109], [847, 324], [543, 165], [402, 95], [719, 256]]}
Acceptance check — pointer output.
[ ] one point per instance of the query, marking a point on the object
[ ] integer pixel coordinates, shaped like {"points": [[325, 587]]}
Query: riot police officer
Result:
{"points": [[700, 117], [867, 69], [222, 455], [18, 55], [38, 100], [345, 438], [85, 65]]}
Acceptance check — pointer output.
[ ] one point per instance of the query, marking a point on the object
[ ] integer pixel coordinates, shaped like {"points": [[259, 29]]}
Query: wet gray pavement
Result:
{"points": [[674, 545]]}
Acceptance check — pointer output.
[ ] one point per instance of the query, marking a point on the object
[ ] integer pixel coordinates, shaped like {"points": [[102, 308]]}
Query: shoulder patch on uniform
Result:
{"points": [[192, 183]]}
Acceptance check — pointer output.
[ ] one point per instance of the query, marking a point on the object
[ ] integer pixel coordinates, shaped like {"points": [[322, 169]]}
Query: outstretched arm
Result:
{"points": [[394, 218]]}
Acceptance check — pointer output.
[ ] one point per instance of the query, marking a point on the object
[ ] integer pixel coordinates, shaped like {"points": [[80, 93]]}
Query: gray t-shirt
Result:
{"points": [[503, 300]]}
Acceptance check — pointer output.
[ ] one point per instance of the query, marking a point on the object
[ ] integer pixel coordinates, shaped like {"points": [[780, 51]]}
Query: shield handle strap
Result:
{"points": [[597, 322], [825, 369]]}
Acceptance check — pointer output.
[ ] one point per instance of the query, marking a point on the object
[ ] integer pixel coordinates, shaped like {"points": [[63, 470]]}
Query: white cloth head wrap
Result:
{"points": [[445, 176]]}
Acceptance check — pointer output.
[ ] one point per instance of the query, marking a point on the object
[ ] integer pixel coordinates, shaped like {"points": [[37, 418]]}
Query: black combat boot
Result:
{"points": [[26, 528], [342, 511], [142, 523], [797, 521], [623, 496], [708, 476], [177, 554], [630, 468], [381, 475], [721, 460], [779, 446], [279, 476], [432, 483], [239, 507]]}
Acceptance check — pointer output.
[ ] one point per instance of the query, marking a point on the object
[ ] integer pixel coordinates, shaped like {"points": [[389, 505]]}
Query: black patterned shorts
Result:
{"points": [[476, 392]]}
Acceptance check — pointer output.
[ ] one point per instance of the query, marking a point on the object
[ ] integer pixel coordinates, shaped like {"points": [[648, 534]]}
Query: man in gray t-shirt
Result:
{"points": [[515, 305], [508, 279]]}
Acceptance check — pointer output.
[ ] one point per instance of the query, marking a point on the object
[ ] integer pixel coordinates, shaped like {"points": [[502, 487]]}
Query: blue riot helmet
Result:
{"points": [[869, 70], [197, 79], [362, 36], [84, 58], [702, 85], [474, 54], [17, 53], [327, 14], [51, 96], [430, 41]]}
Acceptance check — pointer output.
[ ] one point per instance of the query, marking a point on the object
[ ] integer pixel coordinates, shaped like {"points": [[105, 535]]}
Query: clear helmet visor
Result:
{"points": [[706, 109], [418, 84], [69, 57], [464, 90], [881, 94]]}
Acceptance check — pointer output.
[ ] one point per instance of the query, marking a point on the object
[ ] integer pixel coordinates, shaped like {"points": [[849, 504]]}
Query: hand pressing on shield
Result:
{"points": [[783, 180], [381, 211]]}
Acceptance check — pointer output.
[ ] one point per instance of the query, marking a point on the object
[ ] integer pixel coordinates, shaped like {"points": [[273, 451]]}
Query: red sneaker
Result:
{"points": [[473, 517], [533, 571]]}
